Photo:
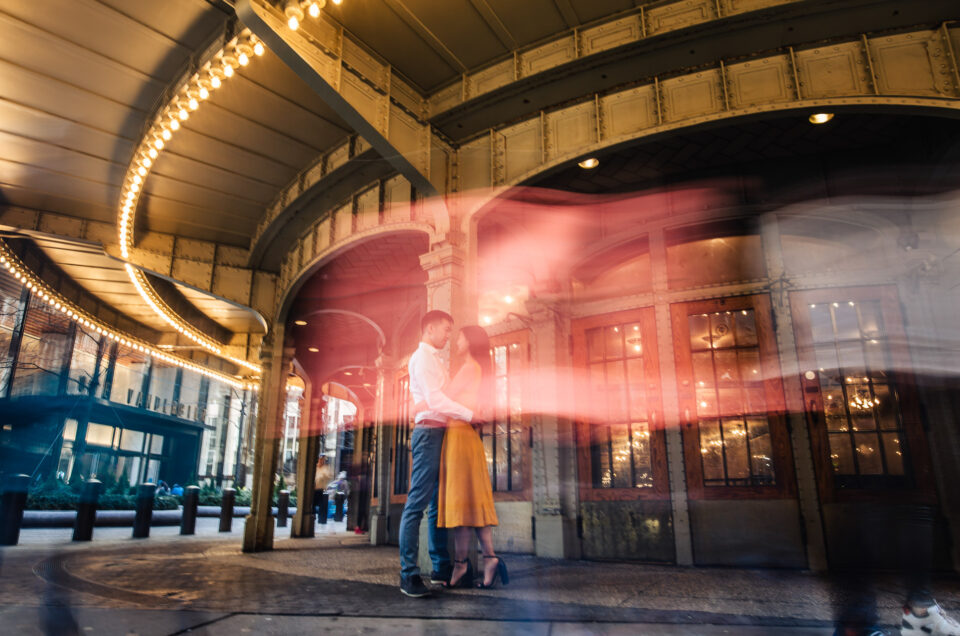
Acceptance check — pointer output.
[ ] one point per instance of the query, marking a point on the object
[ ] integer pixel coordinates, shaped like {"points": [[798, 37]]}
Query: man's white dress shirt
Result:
{"points": [[428, 378]]}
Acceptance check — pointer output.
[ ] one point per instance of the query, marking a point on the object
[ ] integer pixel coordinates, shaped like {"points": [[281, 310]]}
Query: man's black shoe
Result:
{"points": [[438, 577], [413, 586]]}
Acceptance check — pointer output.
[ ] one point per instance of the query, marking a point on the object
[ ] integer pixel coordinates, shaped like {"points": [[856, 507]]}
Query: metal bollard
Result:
{"points": [[338, 501], [12, 503], [87, 511], [283, 508], [141, 523], [226, 509], [323, 504], [188, 519]]}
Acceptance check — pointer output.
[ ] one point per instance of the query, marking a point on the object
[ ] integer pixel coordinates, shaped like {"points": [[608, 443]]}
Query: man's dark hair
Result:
{"points": [[434, 316]]}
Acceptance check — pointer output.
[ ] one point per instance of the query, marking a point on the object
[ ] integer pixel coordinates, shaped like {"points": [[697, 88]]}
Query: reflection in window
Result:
{"points": [[47, 338], [735, 447], [620, 430], [714, 253], [503, 438], [860, 404], [83, 364], [128, 373]]}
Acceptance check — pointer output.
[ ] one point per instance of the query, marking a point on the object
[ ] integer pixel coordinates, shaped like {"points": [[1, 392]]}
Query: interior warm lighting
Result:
{"points": [[337, 2], [258, 49], [153, 153], [820, 118], [487, 320], [166, 134], [203, 92], [215, 81], [158, 143], [314, 10], [193, 103], [312, 349], [228, 71], [183, 114], [348, 373], [508, 300], [589, 164], [300, 323], [174, 124], [243, 59]]}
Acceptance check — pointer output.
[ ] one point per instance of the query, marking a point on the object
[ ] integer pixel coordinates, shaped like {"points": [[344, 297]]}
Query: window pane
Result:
{"points": [[871, 324], [598, 392], [893, 453], [730, 402], [746, 328], [600, 457], [500, 360], [99, 434], [70, 429], [841, 454], [848, 325], [637, 393], [756, 400], [721, 330], [614, 343], [516, 458], [131, 440], [633, 339], [643, 468], [821, 323], [706, 403], [616, 391], [851, 358], [621, 456], [156, 444], [761, 449], [750, 370], [703, 369], [886, 407], [711, 451], [503, 457], [735, 447], [868, 454], [594, 345], [727, 367], [699, 332]]}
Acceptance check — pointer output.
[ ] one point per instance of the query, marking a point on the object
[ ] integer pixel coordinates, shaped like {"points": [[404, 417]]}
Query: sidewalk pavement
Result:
{"points": [[338, 583]]}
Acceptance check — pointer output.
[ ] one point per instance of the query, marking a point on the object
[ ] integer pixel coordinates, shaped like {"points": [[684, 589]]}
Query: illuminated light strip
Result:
{"points": [[42, 291], [237, 52]]}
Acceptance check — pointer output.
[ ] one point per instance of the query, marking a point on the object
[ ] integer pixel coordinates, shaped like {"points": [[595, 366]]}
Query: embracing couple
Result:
{"points": [[449, 466]]}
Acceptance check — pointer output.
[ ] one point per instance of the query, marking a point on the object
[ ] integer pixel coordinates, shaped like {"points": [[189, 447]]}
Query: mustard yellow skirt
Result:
{"points": [[466, 498]]}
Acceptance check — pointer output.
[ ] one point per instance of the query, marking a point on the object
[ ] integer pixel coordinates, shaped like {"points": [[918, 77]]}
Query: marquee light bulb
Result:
{"points": [[243, 59], [314, 10], [153, 154], [215, 81], [183, 114], [174, 124], [193, 103], [166, 135], [258, 49], [203, 92], [228, 70]]}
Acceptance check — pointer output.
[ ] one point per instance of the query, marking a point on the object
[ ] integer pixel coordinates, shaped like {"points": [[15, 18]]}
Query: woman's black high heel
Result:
{"points": [[467, 579], [500, 573]]}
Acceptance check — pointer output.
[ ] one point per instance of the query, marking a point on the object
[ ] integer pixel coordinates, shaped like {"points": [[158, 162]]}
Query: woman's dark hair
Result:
{"points": [[479, 347]]}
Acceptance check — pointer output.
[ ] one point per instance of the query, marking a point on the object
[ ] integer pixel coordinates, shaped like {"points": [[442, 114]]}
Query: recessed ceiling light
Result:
{"points": [[348, 373], [589, 164], [300, 323], [312, 349], [820, 118]]}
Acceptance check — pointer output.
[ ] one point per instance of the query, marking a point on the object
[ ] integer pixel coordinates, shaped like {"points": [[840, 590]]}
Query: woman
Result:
{"points": [[466, 498]]}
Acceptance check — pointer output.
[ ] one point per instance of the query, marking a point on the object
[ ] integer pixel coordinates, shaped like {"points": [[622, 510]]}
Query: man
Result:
{"points": [[428, 376]]}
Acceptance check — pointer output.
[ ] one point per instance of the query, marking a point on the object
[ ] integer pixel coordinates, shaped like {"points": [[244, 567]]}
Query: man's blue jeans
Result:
{"points": [[426, 444]]}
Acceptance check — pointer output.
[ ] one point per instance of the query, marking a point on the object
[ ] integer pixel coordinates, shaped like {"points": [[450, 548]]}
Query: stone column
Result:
{"points": [[676, 468], [308, 448], [383, 409], [275, 360], [793, 393], [554, 454]]}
